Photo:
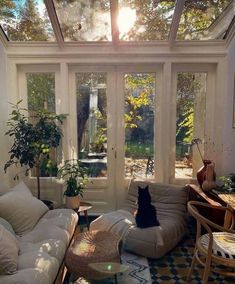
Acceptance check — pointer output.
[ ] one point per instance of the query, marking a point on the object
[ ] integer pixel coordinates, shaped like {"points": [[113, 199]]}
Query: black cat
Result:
{"points": [[146, 215]]}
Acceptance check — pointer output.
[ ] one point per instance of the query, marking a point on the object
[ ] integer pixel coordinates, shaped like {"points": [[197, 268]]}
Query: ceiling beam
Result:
{"points": [[54, 22], [230, 34], [3, 38], [179, 6], [114, 17]]}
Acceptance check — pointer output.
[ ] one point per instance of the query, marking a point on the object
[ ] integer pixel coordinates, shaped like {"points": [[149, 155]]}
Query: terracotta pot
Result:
{"points": [[201, 173], [209, 183], [72, 202]]}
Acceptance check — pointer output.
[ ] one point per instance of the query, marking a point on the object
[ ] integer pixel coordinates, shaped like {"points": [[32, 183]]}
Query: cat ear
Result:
{"points": [[146, 187]]}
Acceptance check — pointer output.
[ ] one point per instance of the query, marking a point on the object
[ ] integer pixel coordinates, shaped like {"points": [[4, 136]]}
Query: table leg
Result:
{"points": [[228, 218], [87, 219]]}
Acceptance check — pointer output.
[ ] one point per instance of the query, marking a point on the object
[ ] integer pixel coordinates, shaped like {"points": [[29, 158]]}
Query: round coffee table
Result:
{"points": [[108, 269]]}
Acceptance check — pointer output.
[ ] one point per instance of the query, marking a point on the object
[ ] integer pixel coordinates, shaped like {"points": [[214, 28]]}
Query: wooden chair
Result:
{"points": [[215, 244]]}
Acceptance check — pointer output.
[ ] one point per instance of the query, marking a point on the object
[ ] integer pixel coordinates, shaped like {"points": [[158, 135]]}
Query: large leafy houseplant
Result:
{"points": [[32, 141], [76, 177]]}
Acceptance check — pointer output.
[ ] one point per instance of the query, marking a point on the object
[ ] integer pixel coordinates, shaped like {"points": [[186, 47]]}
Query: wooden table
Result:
{"points": [[229, 199], [196, 193]]}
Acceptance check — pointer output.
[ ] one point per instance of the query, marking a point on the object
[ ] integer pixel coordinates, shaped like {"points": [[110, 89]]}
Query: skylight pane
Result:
{"points": [[26, 20], [199, 20], [145, 20], [84, 20]]}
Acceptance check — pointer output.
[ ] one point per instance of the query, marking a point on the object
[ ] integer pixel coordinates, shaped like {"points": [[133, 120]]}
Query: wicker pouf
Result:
{"points": [[92, 247]]}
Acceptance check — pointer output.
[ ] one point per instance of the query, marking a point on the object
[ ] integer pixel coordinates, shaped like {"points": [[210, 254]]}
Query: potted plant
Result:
{"points": [[32, 142], [228, 183], [75, 176]]}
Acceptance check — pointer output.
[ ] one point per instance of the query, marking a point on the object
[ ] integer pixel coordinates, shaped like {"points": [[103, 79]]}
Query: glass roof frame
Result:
{"points": [[229, 33]]}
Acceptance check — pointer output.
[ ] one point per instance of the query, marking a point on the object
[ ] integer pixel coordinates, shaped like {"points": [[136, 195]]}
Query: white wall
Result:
{"points": [[3, 112], [228, 130]]}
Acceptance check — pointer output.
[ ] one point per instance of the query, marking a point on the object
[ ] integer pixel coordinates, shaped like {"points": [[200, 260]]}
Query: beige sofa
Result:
{"points": [[154, 242], [33, 239]]}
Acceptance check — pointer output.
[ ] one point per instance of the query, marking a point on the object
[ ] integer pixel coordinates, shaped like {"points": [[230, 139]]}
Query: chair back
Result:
{"points": [[206, 217]]}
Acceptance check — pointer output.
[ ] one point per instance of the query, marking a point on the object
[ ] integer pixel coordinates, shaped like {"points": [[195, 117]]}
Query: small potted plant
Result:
{"points": [[75, 176]]}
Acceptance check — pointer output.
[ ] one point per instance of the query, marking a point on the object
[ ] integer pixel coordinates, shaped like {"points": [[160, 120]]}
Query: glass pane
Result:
{"points": [[41, 95], [145, 20], [190, 122], [84, 20], [26, 21], [139, 124], [41, 91], [92, 122], [198, 20]]}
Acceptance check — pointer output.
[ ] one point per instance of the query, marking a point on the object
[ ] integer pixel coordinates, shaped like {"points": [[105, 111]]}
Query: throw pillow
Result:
{"points": [[3, 188], [21, 210], [8, 252], [146, 215], [7, 225], [22, 187]]}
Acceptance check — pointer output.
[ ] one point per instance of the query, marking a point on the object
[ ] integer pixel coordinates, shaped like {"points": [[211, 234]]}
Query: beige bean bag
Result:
{"points": [[154, 242]]}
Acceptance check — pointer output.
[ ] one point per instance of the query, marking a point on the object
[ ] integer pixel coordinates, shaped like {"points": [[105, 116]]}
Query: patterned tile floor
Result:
{"points": [[173, 268]]}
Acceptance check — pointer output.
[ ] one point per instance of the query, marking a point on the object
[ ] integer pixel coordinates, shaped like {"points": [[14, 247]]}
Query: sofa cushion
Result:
{"points": [[43, 248], [61, 223], [40, 261], [8, 252], [21, 210], [54, 247], [26, 276]]}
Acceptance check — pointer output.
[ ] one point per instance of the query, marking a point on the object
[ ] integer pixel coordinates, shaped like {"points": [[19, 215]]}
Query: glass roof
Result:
{"points": [[123, 20]]}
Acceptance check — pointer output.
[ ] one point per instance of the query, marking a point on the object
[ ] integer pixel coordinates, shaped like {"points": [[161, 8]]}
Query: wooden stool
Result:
{"points": [[92, 247]]}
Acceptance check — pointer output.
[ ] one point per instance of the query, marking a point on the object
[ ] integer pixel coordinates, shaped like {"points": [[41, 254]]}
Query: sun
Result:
{"points": [[126, 19]]}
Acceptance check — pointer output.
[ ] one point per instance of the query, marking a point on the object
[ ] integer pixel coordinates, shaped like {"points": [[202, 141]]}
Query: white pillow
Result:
{"points": [[21, 210], [22, 187], [3, 188], [7, 225], [8, 252]]}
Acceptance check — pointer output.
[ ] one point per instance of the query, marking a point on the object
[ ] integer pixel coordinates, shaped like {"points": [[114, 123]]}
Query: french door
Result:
{"points": [[113, 128]]}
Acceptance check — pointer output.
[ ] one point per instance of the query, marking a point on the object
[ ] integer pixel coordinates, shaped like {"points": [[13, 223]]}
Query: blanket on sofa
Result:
{"points": [[120, 222]]}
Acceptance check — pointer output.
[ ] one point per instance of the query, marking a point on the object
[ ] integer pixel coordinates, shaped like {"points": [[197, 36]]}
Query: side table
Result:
{"points": [[84, 207]]}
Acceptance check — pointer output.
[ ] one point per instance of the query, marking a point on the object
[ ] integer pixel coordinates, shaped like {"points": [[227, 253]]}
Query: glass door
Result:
{"points": [[137, 141], [139, 118], [91, 108], [92, 131], [113, 130]]}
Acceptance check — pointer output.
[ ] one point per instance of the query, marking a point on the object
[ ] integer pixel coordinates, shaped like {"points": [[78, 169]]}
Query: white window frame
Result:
{"points": [[210, 111]]}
